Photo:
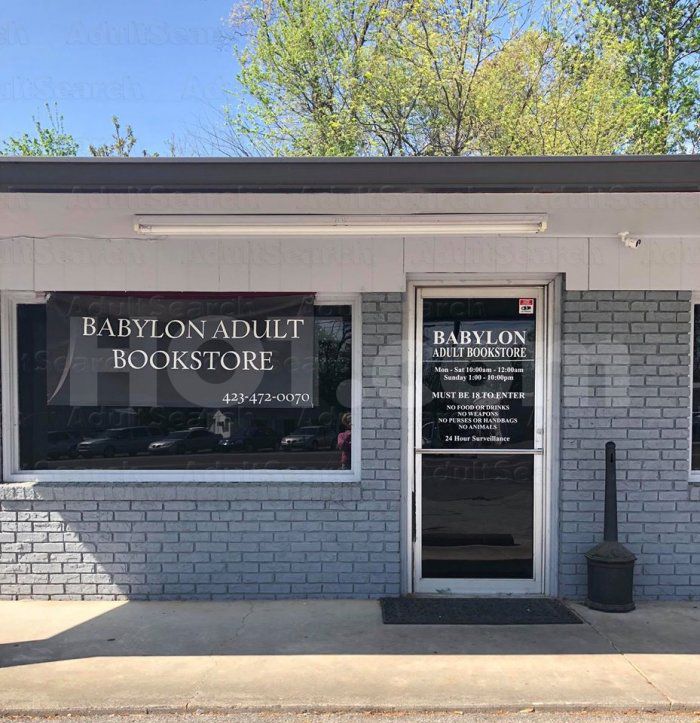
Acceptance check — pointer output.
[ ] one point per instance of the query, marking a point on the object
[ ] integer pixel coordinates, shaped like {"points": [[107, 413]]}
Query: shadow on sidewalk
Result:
{"points": [[343, 627]]}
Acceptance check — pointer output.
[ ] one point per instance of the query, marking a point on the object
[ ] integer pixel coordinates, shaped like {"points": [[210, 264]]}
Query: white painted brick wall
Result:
{"points": [[227, 540], [625, 378]]}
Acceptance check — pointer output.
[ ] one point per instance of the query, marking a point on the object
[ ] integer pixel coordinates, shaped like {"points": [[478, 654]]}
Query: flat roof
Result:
{"points": [[525, 174]]}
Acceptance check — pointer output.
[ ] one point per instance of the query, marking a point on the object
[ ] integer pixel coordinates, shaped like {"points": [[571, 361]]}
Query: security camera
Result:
{"points": [[630, 241]]}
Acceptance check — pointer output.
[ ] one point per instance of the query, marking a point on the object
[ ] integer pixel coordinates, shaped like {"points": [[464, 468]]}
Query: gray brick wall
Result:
{"points": [[625, 361], [625, 378], [228, 540]]}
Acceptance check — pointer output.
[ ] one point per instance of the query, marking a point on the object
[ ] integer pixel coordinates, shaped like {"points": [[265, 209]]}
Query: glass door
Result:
{"points": [[479, 439]]}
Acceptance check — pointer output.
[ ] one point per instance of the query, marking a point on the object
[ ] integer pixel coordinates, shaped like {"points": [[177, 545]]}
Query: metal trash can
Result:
{"points": [[610, 578], [610, 564]]}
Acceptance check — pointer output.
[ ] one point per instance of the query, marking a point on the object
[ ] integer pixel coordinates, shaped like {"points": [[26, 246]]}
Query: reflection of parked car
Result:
{"points": [[62, 444], [120, 440], [186, 442], [250, 439], [309, 438]]}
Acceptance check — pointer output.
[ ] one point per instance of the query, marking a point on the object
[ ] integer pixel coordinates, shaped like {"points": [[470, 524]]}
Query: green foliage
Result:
{"points": [[121, 145], [51, 139], [661, 39], [543, 96], [303, 65], [46, 140], [448, 77]]}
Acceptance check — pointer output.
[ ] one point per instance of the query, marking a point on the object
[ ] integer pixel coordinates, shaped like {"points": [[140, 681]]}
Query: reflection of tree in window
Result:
{"points": [[333, 341]]}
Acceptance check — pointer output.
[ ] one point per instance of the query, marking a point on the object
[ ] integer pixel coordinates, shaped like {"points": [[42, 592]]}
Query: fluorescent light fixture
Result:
{"points": [[434, 224]]}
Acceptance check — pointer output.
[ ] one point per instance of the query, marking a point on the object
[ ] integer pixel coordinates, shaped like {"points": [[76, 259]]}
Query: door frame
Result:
{"points": [[546, 517]]}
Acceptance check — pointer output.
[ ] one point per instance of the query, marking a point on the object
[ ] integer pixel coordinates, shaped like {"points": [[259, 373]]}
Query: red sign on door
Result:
{"points": [[526, 306]]}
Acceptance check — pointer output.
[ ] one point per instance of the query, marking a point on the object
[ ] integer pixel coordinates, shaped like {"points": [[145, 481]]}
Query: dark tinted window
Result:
{"points": [[116, 434], [695, 464], [477, 516], [142, 427], [478, 373]]}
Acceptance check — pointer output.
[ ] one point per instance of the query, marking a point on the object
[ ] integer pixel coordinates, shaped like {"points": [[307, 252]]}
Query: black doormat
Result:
{"points": [[476, 611]]}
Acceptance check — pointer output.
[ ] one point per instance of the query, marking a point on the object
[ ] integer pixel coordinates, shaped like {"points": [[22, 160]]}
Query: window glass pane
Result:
{"points": [[62, 437], [478, 373], [695, 464], [477, 516]]}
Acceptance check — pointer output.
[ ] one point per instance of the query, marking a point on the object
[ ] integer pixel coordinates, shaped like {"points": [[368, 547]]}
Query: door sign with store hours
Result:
{"points": [[478, 371]]}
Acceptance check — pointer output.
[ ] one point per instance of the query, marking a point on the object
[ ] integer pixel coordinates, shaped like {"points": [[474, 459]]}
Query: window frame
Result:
{"points": [[9, 381], [693, 474]]}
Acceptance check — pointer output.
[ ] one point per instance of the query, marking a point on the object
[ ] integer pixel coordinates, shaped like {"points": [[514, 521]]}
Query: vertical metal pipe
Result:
{"points": [[610, 520]]}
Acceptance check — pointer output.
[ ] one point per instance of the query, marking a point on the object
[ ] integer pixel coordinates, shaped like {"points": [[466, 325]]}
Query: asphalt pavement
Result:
{"points": [[524, 716]]}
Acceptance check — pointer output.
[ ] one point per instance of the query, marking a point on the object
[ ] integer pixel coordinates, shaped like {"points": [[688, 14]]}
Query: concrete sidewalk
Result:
{"points": [[336, 655]]}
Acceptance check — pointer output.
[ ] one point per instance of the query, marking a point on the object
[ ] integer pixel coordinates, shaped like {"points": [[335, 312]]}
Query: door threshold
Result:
{"points": [[478, 595]]}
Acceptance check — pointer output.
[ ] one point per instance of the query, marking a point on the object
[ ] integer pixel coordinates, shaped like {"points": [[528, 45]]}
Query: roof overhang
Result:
{"points": [[580, 174]]}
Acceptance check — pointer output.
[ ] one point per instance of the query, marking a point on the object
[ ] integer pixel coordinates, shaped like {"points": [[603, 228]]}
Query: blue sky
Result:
{"points": [[162, 66]]}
